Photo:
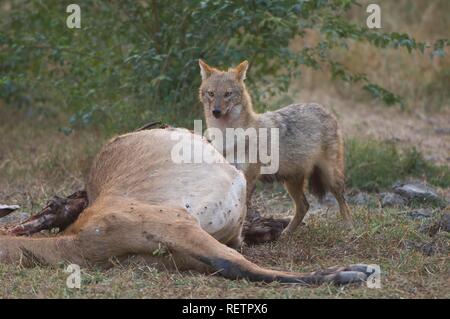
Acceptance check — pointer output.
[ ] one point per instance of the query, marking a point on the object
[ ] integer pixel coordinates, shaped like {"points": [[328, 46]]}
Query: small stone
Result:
{"points": [[392, 200], [427, 249], [416, 191], [14, 218], [420, 213], [444, 223], [361, 199], [426, 228], [328, 200]]}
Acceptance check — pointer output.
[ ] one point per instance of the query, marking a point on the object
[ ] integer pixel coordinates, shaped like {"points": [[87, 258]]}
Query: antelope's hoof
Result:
{"points": [[358, 273]]}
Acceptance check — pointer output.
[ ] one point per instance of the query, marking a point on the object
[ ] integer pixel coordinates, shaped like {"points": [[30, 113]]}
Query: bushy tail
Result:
{"points": [[317, 185]]}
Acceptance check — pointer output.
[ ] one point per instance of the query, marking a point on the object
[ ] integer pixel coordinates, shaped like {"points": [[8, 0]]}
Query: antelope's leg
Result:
{"points": [[39, 251], [58, 213], [135, 228], [125, 228], [185, 236]]}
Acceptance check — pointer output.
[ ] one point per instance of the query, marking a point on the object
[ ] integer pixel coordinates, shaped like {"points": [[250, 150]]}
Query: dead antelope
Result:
{"points": [[141, 200]]}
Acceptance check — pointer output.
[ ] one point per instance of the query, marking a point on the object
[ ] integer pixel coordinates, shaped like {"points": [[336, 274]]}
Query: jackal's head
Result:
{"points": [[222, 92]]}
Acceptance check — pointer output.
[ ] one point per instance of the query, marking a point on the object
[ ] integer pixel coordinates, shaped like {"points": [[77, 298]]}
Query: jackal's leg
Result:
{"points": [[334, 179], [295, 188], [343, 209], [338, 191], [252, 173]]}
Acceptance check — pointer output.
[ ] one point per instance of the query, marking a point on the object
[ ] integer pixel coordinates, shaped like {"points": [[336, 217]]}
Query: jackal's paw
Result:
{"points": [[358, 273], [290, 230], [286, 233]]}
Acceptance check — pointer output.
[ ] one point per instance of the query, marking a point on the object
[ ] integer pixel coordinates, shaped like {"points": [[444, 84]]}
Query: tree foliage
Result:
{"points": [[135, 61]]}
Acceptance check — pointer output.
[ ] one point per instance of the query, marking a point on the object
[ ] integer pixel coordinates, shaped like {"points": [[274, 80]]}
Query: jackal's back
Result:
{"points": [[308, 132]]}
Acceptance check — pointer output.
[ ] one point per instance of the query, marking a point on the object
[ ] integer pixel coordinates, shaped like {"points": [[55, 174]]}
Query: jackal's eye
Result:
{"points": [[227, 94], [211, 93]]}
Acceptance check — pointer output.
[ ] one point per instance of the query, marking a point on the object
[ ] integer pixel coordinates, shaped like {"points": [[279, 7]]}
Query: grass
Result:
{"points": [[37, 162], [373, 165]]}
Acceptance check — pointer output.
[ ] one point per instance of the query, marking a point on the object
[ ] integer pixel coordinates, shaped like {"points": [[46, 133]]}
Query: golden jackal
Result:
{"points": [[310, 141]]}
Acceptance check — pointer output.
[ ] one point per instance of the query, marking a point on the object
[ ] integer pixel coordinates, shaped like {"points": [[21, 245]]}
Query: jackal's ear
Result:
{"points": [[241, 70], [205, 69]]}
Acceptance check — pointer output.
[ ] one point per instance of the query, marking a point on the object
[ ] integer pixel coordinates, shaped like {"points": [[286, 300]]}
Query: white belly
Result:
{"points": [[221, 216], [220, 203]]}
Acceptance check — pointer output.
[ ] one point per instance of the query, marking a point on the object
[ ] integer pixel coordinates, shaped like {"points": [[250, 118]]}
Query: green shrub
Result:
{"points": [[373, 165], [136, 61]]}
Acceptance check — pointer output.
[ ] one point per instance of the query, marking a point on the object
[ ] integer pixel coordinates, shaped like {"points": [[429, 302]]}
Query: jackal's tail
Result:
{"points": [[317, 184]]}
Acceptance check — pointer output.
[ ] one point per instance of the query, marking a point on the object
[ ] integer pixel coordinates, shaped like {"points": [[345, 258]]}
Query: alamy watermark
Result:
{"points": [[373, 20], [238, 146], [73, 281], [374, 280], [74, 19]]}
